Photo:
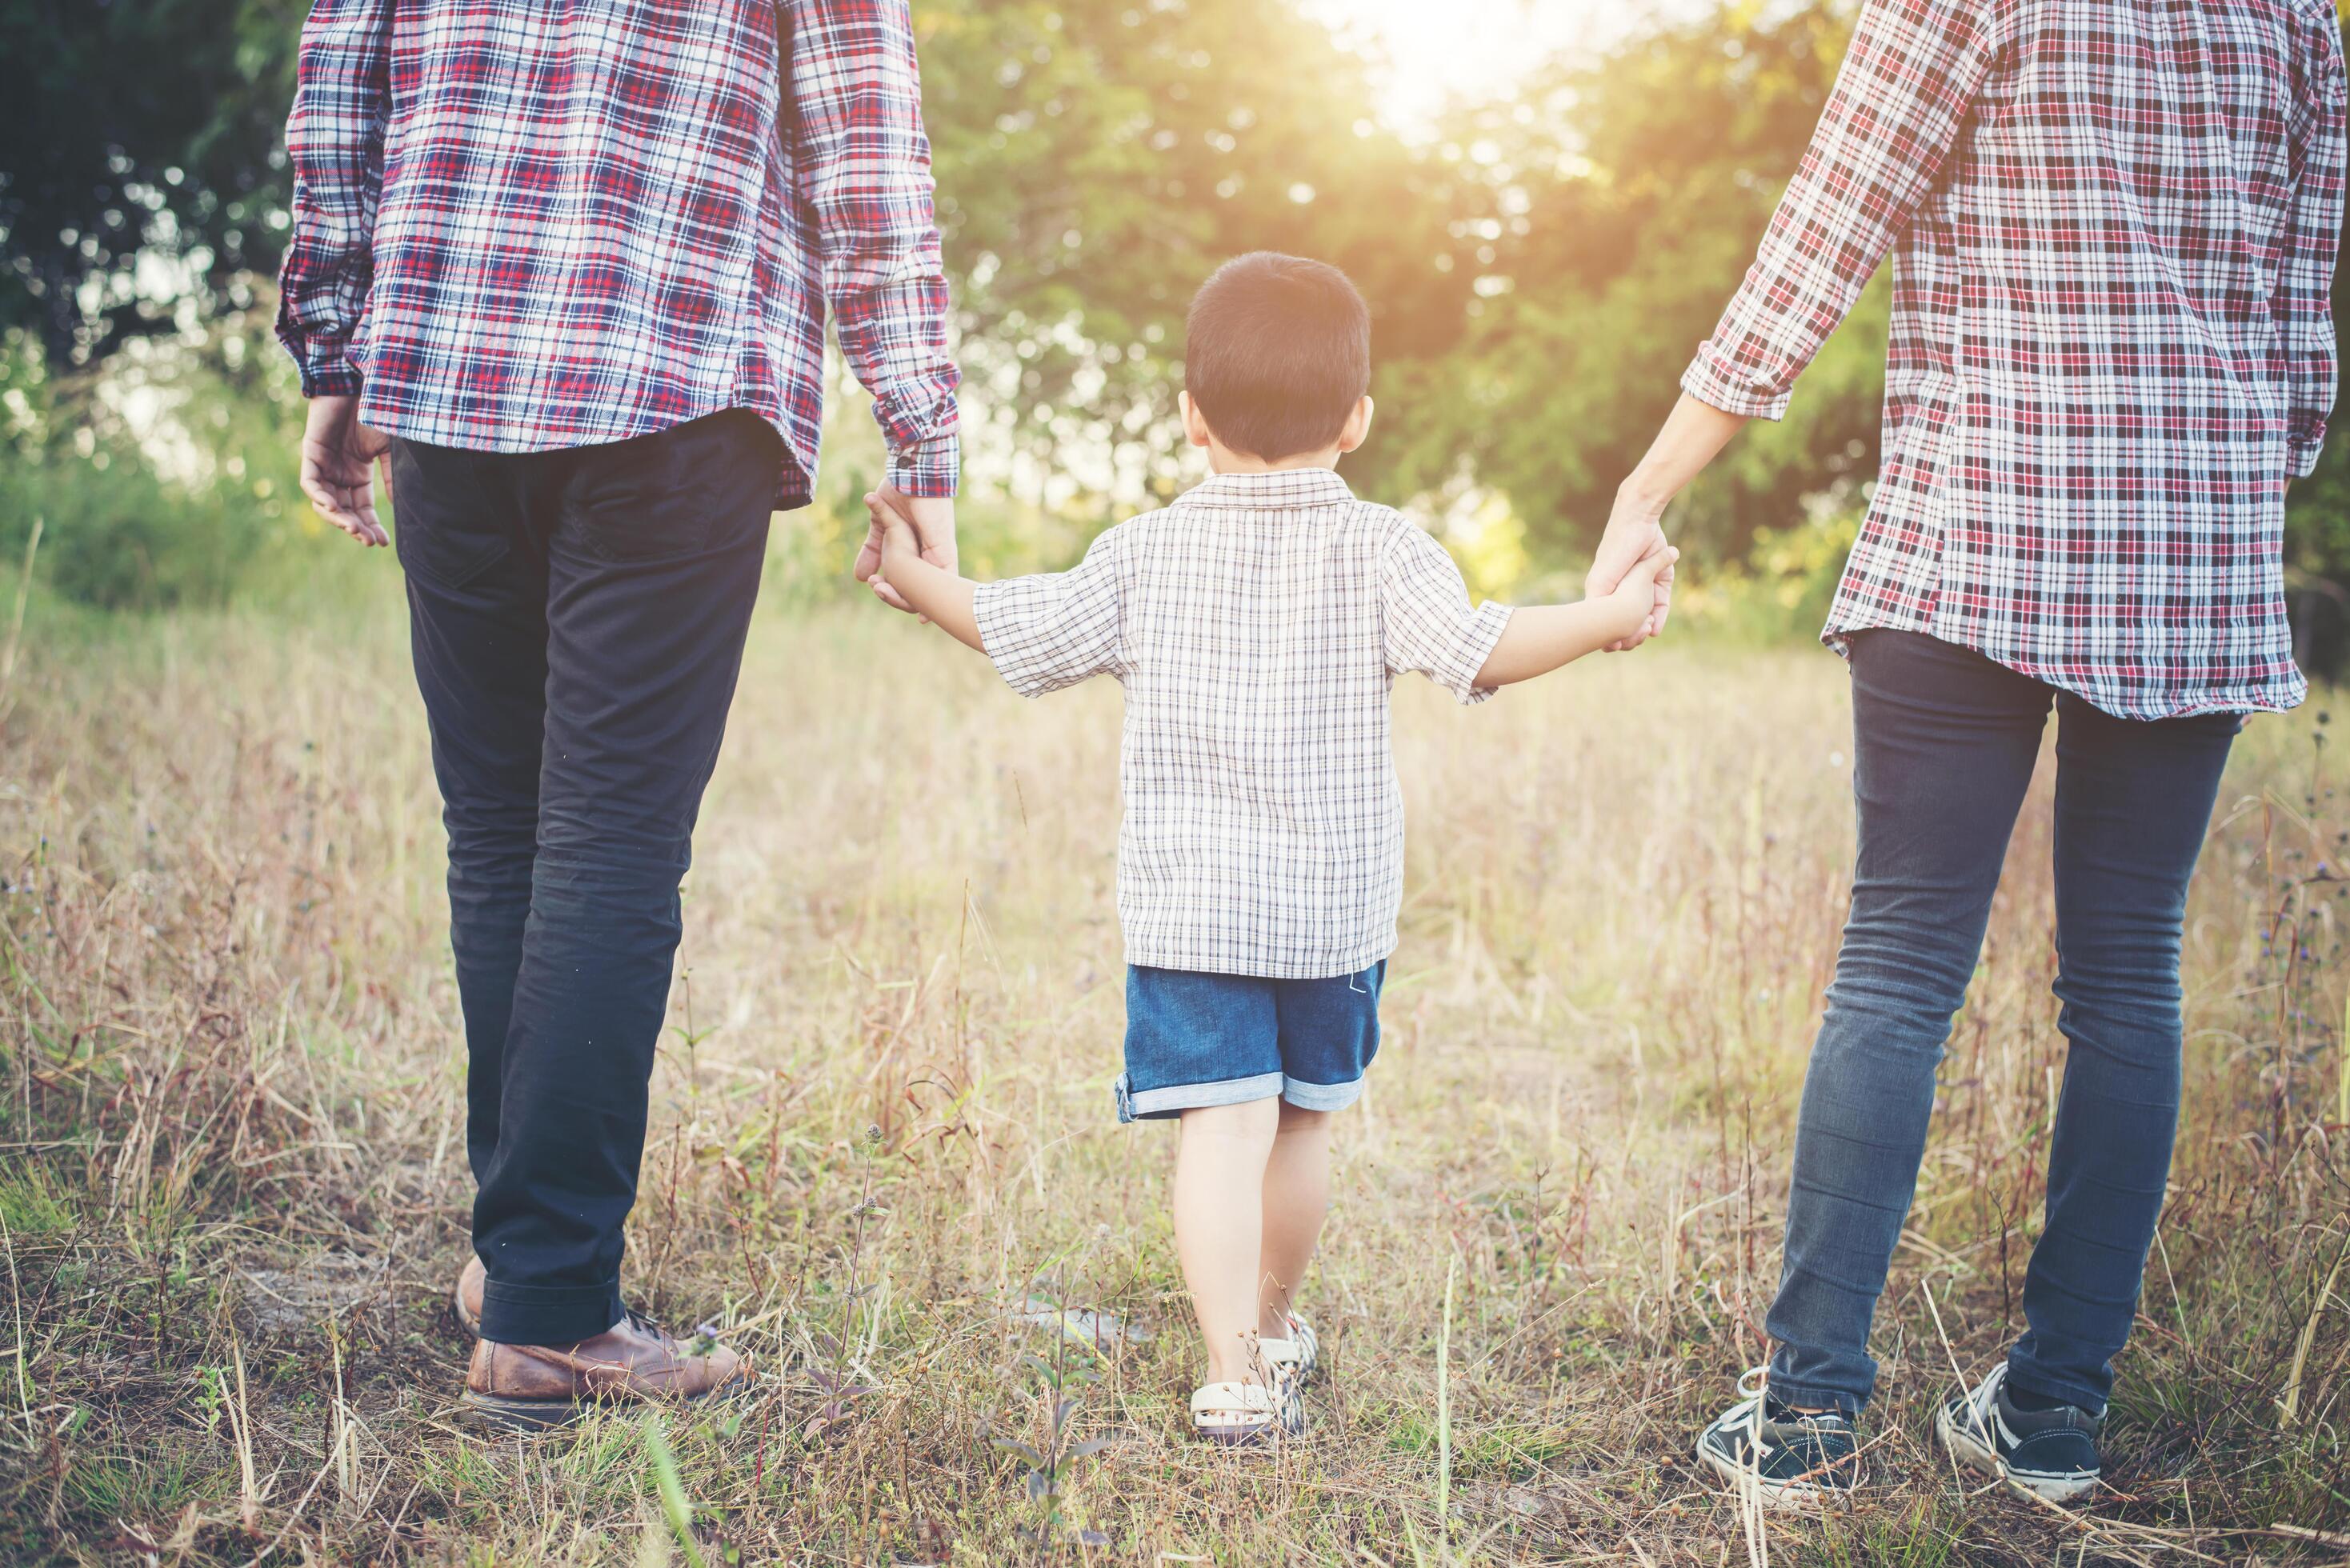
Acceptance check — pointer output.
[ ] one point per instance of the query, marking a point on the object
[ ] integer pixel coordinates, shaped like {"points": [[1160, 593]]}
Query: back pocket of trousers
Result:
{"points": [[443, 526], [703, 486]]}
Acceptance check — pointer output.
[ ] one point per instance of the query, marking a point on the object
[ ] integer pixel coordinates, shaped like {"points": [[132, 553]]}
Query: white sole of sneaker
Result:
{"points": [[1792, 1496], [1973, 1450]]}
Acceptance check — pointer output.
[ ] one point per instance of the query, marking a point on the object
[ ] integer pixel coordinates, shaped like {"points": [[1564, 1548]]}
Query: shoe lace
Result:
{"points": [[645, 1322], [1745, 1417], [1982, 1400]]}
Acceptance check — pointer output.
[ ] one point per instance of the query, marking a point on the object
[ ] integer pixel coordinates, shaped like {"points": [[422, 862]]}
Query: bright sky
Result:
{"points": [[1433, 51]]}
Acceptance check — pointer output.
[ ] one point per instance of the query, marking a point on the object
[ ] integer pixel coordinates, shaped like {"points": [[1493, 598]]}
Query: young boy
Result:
{"points": [[1257, 624]]}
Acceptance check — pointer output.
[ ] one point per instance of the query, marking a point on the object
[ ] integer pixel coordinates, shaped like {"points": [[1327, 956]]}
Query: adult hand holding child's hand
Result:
{"points": [[1639, 595], [891, 537], [1633, 545], [931, 521], [905, 568]]}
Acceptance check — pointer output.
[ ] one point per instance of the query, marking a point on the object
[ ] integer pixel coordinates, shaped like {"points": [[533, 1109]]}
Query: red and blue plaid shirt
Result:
{"points": [[2114, 225], [523, 224]]}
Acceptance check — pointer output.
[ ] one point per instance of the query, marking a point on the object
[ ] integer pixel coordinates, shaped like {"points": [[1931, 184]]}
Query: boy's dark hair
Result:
{"points": [[1278, 353]]}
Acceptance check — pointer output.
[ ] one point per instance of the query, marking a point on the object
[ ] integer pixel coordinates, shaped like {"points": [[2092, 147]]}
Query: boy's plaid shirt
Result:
{"points": [[1256, 625], [2114, 225], [522, 225]]}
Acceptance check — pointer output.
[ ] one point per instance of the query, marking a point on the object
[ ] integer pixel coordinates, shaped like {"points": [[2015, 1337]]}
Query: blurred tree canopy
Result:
{"points": [[1540, 268], [138, 131]]}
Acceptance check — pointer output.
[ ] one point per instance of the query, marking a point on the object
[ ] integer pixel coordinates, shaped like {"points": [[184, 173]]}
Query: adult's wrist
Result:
{"points": [[1644, 494]]}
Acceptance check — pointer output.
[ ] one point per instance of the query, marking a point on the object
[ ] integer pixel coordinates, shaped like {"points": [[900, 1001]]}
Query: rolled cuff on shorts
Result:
{"points": [[1308, 1096], [1165, 1101], [1178, 1097]]}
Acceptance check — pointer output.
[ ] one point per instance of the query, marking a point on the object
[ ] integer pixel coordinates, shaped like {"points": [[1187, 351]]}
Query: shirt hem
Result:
{"points": [[2272, 698], [796, 487], [1144, 956]]}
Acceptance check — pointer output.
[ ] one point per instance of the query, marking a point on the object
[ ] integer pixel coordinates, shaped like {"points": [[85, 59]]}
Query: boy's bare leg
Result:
{"points": [[1220, 1193], [1296, 1197]]}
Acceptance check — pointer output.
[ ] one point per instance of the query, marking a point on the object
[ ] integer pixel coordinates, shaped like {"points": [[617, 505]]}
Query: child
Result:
{"points": [[1257, 624]]}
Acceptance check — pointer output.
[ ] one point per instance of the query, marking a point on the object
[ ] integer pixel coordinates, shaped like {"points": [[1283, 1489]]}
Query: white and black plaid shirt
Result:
{"points": [[1257, 625]]}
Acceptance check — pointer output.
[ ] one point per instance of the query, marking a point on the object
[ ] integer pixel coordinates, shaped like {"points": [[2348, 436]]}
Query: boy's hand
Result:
{"points": [[905, 570], [893, 537], [933, 520], [1635, 598]]}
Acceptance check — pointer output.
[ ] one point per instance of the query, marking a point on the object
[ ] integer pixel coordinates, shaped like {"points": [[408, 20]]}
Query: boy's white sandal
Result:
{"points": [[1234, 1414], [1300, 1353]]}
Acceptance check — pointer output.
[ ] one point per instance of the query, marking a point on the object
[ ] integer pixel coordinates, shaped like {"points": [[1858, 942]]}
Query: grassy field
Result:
{"points": [[233, 1192]]}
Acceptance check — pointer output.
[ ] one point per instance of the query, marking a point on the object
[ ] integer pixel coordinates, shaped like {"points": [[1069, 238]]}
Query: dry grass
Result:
{"points": [[233, 1193]]}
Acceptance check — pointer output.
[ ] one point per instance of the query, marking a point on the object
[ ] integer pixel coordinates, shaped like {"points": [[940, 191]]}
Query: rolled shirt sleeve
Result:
{"points": [[334, 141], [1427, 623], [1910, 77], [1055, 629], [2303, 303], [857, 88]]}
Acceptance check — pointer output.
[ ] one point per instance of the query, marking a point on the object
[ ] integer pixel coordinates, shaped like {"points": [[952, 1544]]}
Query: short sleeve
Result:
{"points": [[1427, 623], [1055, 628]]}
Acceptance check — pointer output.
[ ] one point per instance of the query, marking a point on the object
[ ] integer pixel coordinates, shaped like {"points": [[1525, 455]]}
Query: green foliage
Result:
{"points": [[1096, 162], [1631, 194], [140, 163], [1540, 270], [168, 483]]}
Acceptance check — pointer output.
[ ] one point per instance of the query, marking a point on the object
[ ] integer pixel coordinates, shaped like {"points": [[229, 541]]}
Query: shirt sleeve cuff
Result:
{"points": [[325, 372], [325, 363], [1712, 379], [998, 635], [1478, 635], [2302, 451], [930, 467]]}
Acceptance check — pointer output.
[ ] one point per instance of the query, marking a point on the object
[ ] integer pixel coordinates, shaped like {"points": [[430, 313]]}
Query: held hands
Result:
{"points": [[902, 560], [1636, 603], [929, 523], [1635, 541], [892, 539], [338, 459]]}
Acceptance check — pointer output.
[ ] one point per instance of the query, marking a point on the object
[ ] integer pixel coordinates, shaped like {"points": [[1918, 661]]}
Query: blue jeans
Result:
{"points": [[1945, 741]]}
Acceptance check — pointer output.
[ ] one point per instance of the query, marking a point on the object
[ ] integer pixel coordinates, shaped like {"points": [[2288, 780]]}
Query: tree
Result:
{"points": [[143, 165], [1096, 162], [1633, 190]]}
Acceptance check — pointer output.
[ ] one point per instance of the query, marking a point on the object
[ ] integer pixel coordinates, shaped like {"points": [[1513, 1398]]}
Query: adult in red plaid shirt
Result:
{"points": [[566, 264], [2114, 225]]}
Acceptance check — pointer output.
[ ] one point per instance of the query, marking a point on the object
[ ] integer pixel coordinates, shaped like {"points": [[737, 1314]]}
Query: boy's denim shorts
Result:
{"points": [[1195, 1040]]}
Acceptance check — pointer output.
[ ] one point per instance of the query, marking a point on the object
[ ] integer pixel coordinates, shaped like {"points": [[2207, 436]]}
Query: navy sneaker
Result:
{"points": [[1782, 1458], [2051, 1454]]}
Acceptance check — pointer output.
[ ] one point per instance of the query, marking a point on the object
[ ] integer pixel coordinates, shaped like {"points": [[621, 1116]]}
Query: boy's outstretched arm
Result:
{"points": [[936, 594], [1541, 637]]}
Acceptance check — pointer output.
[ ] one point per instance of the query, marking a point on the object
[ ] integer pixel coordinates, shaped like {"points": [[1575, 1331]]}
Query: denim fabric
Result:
{"points": [[1195, 1040], [1944, 748], [577, 618]]}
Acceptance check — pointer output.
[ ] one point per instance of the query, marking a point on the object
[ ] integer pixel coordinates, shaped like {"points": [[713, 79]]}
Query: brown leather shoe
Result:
{"points": [[532, 1386], [467, 1300]]}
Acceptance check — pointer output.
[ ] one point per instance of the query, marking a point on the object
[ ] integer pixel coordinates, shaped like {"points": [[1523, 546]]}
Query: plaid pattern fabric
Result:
{"points": [[521, 224], [1257, 625], [2114, 226]]}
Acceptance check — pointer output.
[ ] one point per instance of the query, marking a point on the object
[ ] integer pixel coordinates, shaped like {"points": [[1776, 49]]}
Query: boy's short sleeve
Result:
{"points": [[1055, 628], [1426, 621]]}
